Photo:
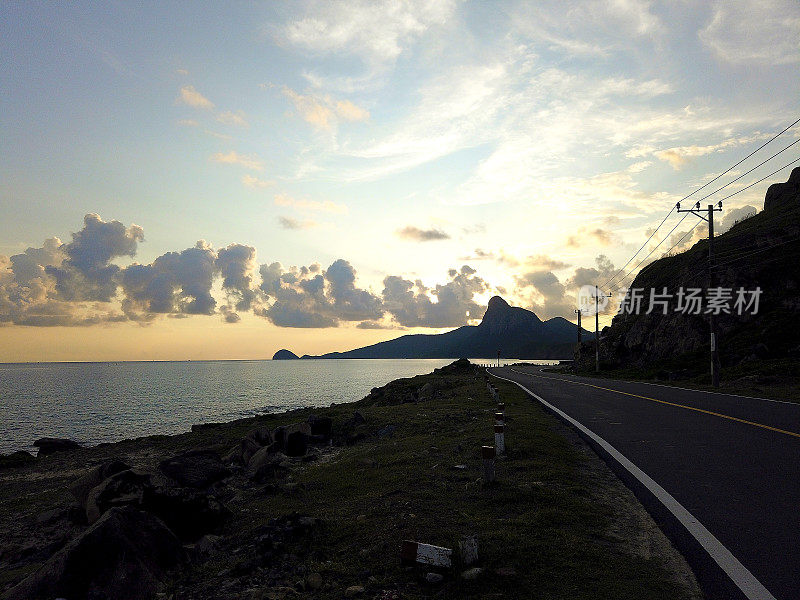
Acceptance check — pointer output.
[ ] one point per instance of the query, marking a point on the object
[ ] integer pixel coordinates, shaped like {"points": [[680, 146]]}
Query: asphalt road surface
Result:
{"points": [[733, 462]]}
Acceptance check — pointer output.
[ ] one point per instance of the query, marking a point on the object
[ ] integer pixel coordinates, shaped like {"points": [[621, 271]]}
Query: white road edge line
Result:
{"points": [[751, 587]]}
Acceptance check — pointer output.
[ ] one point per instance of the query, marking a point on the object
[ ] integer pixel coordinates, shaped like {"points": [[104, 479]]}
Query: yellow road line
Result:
{"points": [[700, 410]]}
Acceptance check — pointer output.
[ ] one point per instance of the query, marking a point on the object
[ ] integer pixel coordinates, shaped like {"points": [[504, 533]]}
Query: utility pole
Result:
{"points": [[597, 327], [712, 321], [578, 312]]}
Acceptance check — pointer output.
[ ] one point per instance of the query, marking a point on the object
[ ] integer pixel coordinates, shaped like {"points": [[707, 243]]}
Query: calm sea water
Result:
{"points": [[106, 402]]}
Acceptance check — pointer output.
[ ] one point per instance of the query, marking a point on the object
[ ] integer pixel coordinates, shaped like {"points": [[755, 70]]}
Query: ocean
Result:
{"points": [[93, 403]]}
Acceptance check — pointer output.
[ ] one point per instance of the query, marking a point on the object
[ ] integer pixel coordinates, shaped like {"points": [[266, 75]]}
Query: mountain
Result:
{"points": [[284, 354], [762, 251], [516, 332]]}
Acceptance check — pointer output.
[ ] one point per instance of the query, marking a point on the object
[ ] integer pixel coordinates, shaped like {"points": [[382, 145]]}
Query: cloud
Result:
{"points": [[310, 297], [322, 111], [188, 123], [376, 325], [254, 182], [758, 32], [421, 235], [237, 265], [193, 98], [175, 282], [411, 303], [310, 205], [237, 118], [591, 237], [548, 296], [251, 162], [68, 284], [181, 71], [290, 223], [374, 31], [86, 272], [732, 216]]}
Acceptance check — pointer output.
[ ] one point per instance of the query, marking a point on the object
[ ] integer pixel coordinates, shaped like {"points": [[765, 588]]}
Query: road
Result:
{"points": [[733, 462]]}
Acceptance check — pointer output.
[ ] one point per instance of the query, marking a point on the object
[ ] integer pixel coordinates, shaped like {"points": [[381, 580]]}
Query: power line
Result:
{"points": [[640, 249], [681, 238], [725, 198], [728, 170], [762, 179], [750, 171], [760, 250], [651, 252]]}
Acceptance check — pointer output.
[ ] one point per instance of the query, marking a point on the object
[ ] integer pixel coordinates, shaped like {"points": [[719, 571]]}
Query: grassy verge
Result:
{"points": [[547, 530]]}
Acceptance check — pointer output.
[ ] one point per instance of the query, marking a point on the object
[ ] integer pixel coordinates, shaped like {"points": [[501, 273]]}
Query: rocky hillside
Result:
{"points": [[514, 331], [760, 251]]}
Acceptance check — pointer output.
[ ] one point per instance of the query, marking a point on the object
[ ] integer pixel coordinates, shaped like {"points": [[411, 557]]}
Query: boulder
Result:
{"points": [[321, 426], [242, 452], [123, 556], [266, 466], [120, 489], [296, 443], [189, 513], [16, 459], [261, 436], [48, 445], [81, 487], [195, 468]]}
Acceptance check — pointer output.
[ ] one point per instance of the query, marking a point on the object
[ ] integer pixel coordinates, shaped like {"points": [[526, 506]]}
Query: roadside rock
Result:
{"points": [[314, 581], [354, 590], [434, 578], [242, 452], [81, 487], [195, 468], [16, 459], [120, 489], [49, 445], [321, 426], [124, 555], [472, 574], [189, 513]]}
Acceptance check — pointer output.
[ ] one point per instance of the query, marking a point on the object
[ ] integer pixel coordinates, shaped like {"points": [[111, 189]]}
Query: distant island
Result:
{"points": [[285, 354], [514, 332]]}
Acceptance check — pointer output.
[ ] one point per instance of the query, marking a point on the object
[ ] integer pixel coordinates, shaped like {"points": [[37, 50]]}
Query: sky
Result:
{"points": [[222, 180]]}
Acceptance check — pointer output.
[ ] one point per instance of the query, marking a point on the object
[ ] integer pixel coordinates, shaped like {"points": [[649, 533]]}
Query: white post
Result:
{"points": [[499, 439]]}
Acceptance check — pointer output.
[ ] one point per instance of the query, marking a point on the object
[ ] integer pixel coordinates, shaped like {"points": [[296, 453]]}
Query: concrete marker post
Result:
{"points": [[499, 418], [488, 454], [500, 439]]}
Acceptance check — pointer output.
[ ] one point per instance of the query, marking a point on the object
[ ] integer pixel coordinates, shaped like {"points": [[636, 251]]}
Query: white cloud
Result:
{"points": [[254, 182], [237, 118], [763, 32], [375, 31], [251, 162], [322, 111], [192, 97]]}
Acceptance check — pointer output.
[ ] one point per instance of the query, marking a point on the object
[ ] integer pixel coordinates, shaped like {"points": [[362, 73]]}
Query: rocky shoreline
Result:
{"points": [[297, 504]]}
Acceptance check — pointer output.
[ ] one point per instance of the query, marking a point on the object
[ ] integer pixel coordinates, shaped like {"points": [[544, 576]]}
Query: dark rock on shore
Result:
{"points": [[49, 445], [189, 513], [16, 459], [120, 489], [81, 487], [195, 468], [124, 556]]}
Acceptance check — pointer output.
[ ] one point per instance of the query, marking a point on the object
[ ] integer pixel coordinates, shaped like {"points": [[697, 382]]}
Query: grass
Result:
{"points": [[542, 519]]}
